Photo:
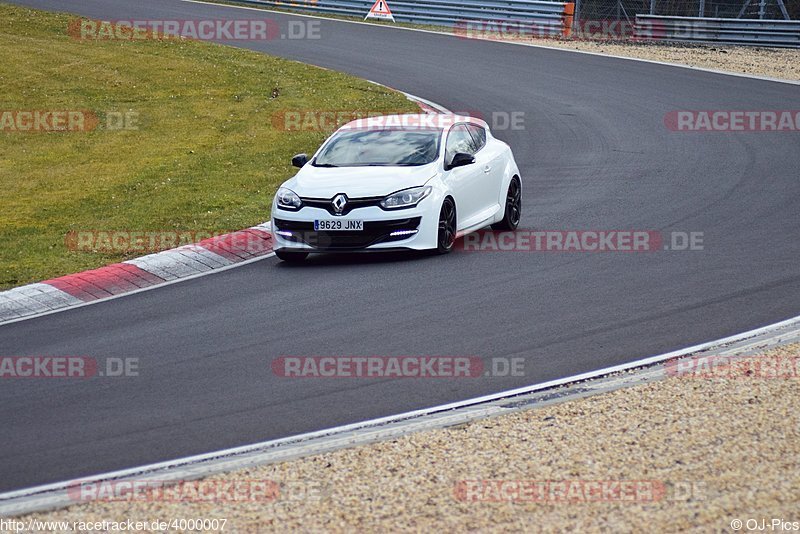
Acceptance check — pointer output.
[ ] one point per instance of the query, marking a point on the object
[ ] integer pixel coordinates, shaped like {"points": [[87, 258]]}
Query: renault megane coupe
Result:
{"points": [[398, 182]]}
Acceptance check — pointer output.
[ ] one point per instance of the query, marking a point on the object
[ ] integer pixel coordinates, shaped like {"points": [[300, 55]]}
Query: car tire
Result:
{"points": [[513, 207], [446, 234], [291, 257]]}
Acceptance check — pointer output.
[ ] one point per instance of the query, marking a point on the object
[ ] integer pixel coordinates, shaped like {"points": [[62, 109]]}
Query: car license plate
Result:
{"points": [[338, 225]]}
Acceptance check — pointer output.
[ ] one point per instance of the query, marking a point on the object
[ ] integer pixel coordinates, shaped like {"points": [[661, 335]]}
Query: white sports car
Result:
{"points": [[397, 182]]}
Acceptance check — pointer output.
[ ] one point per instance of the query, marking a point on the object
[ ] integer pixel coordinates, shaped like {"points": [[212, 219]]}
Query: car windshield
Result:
{"points": [[355, 148]]}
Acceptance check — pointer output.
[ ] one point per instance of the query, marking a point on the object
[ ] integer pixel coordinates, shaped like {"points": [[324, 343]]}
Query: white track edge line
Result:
{"points": [[532, 45], [414, 98], [429, 103], [271, 444]]}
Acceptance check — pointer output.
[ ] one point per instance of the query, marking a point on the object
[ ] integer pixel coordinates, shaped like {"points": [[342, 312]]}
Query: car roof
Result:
{"points": [[413, 121]]}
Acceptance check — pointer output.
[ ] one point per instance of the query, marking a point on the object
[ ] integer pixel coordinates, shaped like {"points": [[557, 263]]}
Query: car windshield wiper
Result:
{"points": [[324, 165]]}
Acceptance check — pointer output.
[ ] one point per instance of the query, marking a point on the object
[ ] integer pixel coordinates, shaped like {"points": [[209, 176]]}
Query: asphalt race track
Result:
{"points": [[594, 154]]}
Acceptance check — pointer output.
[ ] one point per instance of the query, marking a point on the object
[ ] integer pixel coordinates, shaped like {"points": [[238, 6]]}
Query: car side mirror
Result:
{"points": [[460, 159], [299, 160]]}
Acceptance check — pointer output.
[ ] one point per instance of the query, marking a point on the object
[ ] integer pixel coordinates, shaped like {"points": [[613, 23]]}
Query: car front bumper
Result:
{"points": [[414, 228]]}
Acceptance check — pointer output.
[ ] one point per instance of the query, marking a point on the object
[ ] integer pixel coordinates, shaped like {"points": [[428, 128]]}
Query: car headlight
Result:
{"points": [[288, 199], [407, 198]]}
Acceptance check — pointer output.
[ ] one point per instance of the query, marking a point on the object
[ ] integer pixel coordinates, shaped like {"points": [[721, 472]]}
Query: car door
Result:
{"points": [[464, 182], [489, 160]]}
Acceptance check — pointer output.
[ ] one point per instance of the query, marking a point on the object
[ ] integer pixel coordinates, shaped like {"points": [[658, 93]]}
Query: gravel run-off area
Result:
{"points": [[690, 453], [779, 63]]}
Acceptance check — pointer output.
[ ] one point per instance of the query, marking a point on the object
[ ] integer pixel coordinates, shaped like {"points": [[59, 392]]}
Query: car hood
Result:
{"points": [[356, 182]]}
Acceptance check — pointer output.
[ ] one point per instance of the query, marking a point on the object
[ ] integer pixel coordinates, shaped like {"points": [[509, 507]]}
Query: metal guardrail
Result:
{"points": [[752, 32], [551, 18], [457, 13]]}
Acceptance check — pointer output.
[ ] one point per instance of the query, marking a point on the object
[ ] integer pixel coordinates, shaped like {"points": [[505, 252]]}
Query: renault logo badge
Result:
{"points": [[339, 202]]}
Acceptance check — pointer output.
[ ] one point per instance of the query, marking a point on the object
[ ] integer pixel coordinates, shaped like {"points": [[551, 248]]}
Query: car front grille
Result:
{"points": [[374, 232], [352, 203]]}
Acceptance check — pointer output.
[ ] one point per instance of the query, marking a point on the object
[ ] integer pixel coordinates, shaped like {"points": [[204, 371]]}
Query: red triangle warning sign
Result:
{"points": [[380, 10]]}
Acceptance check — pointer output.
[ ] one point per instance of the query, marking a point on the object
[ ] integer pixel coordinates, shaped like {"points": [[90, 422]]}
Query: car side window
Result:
{"points": [[478, 134], [459, 140]]}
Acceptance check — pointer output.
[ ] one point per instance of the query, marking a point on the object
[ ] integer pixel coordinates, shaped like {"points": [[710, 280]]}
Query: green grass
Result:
{"points": [[205, 157]]}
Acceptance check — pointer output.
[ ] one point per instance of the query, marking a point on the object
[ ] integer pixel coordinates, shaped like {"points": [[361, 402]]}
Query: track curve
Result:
{"points": [[594, 155]]}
